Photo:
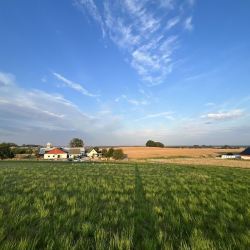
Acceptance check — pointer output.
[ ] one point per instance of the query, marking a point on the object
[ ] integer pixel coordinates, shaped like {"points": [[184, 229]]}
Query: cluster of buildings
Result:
{"points": [[55, 153], [245, 155]]}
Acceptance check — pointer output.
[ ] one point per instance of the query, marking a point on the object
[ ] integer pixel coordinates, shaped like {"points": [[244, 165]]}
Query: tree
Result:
{"points": [[151, 143], [104, 152], [110, 152], [118, 154], [5, 151], [76, 143], [97, 149]]}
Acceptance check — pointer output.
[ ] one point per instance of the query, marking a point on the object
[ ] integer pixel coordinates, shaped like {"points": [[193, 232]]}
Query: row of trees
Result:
{"points": [[151, 143]]}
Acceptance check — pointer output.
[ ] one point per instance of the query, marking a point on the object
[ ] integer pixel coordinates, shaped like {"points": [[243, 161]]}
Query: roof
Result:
{"points": [[56, 151], [246, 151], [74, 151]]}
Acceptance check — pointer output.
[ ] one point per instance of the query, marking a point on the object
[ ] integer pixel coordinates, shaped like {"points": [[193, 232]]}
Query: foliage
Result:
{"points": [[123, 206], [5, 151], [104, 152], [76, 143], [118, 154], [22, 150], [110, 152], [151, 143]]}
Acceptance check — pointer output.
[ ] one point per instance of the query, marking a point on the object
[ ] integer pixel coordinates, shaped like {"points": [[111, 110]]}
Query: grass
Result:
{"points": [[46, 205]]}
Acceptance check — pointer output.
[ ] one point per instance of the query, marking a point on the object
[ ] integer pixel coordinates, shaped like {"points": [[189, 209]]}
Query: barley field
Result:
{"points": [[56, 205]]}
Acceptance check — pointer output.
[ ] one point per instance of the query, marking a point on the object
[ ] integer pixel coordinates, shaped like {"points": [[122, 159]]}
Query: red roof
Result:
{"points": [[55, 151]]}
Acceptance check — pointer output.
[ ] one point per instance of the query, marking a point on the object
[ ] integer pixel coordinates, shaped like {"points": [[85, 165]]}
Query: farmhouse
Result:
{"points": [[92, 153], [55, 154], [245, 154]]}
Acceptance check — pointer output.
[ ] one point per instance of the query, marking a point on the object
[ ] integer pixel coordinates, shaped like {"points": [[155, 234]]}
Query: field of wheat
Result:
{"points": [[56, 205]]}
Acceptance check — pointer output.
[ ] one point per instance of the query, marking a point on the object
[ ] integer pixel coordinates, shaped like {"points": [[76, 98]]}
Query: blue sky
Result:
{"points": [[123, 72]]}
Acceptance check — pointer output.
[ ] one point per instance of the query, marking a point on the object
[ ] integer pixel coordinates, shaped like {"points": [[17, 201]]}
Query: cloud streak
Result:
{"points": [[223, 116], [142, 32], [75, 86]]}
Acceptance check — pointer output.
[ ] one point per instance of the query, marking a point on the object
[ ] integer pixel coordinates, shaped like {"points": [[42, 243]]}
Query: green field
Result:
{"points": [[123, 206]]}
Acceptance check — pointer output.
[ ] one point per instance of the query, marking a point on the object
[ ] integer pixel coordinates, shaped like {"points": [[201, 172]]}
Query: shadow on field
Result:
{"points": [[145, 230]]}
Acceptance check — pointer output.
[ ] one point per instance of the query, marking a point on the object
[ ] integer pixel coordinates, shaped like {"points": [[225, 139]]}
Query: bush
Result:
{"points": [[5, 152], [118, 154]]}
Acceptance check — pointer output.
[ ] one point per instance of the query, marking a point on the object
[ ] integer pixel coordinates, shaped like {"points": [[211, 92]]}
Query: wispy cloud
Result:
{"points": [[131, 101], [222, 116], [188, 25], [167, 115], [173, 22], [76, 86], [93, 10], [142, 31], [6, 79], [24, 112]]}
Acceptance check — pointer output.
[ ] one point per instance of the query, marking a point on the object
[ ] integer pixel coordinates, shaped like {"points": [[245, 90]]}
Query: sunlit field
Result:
{"points": [[123, 206]]}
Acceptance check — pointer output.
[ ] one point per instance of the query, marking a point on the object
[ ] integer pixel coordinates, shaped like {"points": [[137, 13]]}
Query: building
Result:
{"points": [[55, 154], [46, 149], [92, 153], [245, 154], [230, 156]]}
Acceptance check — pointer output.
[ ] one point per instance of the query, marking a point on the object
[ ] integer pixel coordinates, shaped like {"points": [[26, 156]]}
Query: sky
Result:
{"points": [[122, 72]]}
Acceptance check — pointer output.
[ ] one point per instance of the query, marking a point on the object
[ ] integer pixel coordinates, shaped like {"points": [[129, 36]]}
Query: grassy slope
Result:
{"points": [[123, 206]]}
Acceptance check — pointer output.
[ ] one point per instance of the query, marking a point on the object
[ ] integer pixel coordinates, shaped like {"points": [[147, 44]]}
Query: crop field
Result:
{"points": [[153, 152], [46, 205]]}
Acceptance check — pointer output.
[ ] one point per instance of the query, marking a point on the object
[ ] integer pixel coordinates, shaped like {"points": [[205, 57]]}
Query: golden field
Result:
{"points": [[190, 156], [151, 152]]}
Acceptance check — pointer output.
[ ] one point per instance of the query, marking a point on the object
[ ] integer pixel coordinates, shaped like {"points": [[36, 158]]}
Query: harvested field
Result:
{"points": [[148, 152], [205, 162]]}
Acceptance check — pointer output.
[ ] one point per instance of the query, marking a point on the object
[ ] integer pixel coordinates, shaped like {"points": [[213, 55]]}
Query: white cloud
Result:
{"points": [[6, 79], [167, 115], [222, 116], [35, 116], [172, 22], [142, 33], [188, 24], [209, 104], [131, 101], [93, 10], [76, 86]]}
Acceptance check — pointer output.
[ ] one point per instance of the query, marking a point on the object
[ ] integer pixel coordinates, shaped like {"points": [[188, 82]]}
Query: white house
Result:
{"points": [[92, 153], [55, 154]]}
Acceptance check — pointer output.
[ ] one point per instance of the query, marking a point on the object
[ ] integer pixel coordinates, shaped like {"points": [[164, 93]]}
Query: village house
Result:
{"points": [[245, 155], [92, 153], [55, 154]]}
